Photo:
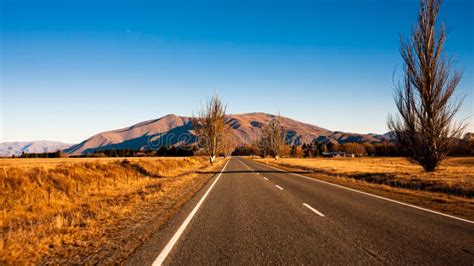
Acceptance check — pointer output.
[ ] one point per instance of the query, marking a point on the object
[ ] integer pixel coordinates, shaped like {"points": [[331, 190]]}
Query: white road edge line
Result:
{"points": [[375, 196], [167, 249], [313, 209], [265, 178], [279, 187]]}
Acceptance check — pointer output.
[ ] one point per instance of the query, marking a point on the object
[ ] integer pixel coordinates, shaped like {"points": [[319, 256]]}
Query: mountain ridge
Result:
{"points": [[8, 149], [246, 128]]}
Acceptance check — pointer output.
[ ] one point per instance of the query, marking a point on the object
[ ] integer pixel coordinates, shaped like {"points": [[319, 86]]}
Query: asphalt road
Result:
{"points": [[255, 214]]}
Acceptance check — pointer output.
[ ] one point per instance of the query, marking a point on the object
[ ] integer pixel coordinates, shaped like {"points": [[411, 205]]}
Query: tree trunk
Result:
{"points": [[212, 159]]}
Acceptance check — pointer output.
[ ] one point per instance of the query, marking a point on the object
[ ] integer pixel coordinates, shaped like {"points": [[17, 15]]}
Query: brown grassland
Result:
{"points": [[89, 210], [449, 189]]}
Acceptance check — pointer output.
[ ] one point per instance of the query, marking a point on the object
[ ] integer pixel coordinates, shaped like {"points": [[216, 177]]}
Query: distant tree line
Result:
{"points": [[57, 154], [463, 147], [317, 149], [173, 151]]}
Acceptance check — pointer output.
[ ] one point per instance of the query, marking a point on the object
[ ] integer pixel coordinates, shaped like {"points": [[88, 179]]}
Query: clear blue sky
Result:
{"points": [[70, 69]]}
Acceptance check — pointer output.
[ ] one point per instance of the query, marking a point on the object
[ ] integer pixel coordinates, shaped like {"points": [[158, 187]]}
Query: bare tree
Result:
{"points": [[210, 127], [229, 142], [273, 140], [424, 98]]}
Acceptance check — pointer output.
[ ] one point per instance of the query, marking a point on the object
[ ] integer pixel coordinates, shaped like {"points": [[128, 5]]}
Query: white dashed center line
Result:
{"points": [[265, 178], [313, 209], [279, 187]]}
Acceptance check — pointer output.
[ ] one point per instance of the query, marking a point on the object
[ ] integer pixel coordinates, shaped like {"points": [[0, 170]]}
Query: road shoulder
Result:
{"points": [[149, 250]]}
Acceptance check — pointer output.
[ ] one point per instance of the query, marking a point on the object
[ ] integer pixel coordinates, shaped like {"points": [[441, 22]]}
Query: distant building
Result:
{"points": [[334, 154]]}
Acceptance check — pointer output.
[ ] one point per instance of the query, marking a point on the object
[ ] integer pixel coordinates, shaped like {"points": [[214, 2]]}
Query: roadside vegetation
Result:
{"points": [[211, 128], [272, 142], [89, 210], [425, 97]]}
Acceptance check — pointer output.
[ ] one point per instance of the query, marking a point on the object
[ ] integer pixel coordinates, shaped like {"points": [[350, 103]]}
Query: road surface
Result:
{"points": [[255, 214]]}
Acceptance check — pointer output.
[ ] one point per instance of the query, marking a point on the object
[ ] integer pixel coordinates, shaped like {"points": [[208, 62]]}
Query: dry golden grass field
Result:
{"points": [[449, 189], [88, 210]]}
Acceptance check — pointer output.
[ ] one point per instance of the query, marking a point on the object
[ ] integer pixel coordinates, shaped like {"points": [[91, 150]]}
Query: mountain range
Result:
{"points": [[177, 130], [7, 149], [245, 128]]}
